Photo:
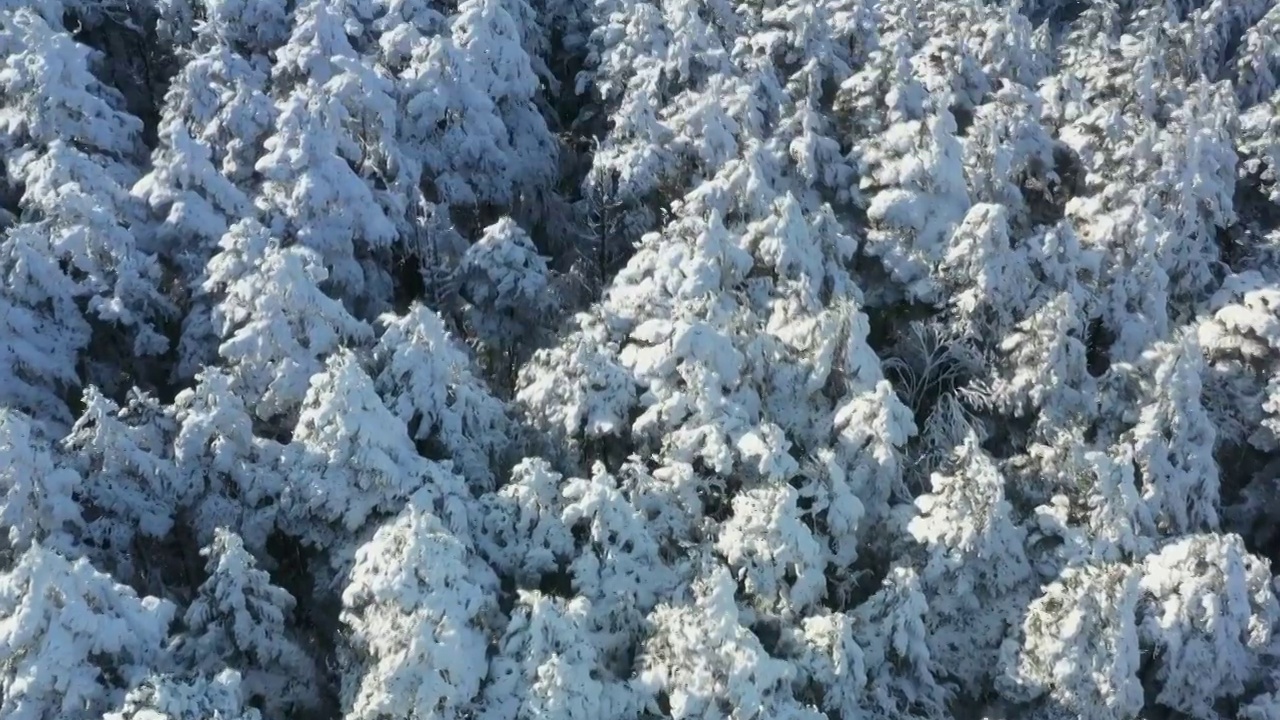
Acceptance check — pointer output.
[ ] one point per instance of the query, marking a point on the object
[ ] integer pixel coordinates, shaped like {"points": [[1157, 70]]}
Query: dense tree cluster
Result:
{"points": [[639, 359]]}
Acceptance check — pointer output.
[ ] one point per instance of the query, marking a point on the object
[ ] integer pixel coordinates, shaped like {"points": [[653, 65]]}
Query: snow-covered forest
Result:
{"points": [[639, 359]]}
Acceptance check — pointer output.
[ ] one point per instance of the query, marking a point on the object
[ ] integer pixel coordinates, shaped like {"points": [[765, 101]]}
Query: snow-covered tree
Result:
{"points": [[37, 492], [351, 460], [891, 629], [975, 570], [276, 322], [329, 208], [1209, 608], [510, 301], [233, 475], [418, 607], [72, 146], [1240, 338], [131, 489], [220, 93], [986, 282], [914, 176], [1047, 343], [488, 39], [240, 620], [831, 669], [547, 666], [193, 200], [428, 382], [1195, 185], [454, 127], [1173, 442], [1009, 157], [187, 697], [43, 327], [74, 640], [1257, 71], [776, 557], [618, 561], [1119, 523], [702, 661], [577, 392], [331, 170], [1260, 148], [1079, 644], [215, 118], [520, 530]]}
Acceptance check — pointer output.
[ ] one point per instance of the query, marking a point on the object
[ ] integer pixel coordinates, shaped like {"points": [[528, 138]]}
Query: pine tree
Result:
{"points": [[916, 177], [1258, 62], [276, 322], [37, 492], [235, 476], [44, 329], [179, 697], [240, 620], [1174, 441], [428, 382], [975, 567], [74, 639], [488, 39], [618, 562], [1239, 337], [351, 462], [831, 669], [890, 628], [131, 488], [70, 146], [329, 171], [1079, 644], [547, 665], [418, 609], [520, 530], [775, 556], [510, 301], [1209, 608], [705, 663], [576, 392]]}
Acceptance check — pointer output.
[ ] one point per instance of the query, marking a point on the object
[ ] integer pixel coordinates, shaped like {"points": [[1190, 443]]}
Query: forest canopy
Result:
{"points": [[639, 359]]}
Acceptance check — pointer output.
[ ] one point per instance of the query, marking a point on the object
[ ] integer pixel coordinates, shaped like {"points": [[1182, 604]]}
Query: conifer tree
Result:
{"points": [[239, 620], [74, 639]]}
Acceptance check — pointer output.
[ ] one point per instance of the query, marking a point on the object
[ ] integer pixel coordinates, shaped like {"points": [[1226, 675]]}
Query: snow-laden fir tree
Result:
{"points": [[974, 568], [239, 621], [187, 697], [38, 503], [131, 491], [891, 629], [417, 609], [1209, 609], [234, 476], [1079, 644], [276, 322], [350, 460], [71, 146], [429, 382], [520, 529], [548, 665], [509, 296], [701, 661], [216, 117], [74, 639], [329, 169], [1174, 440]]}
